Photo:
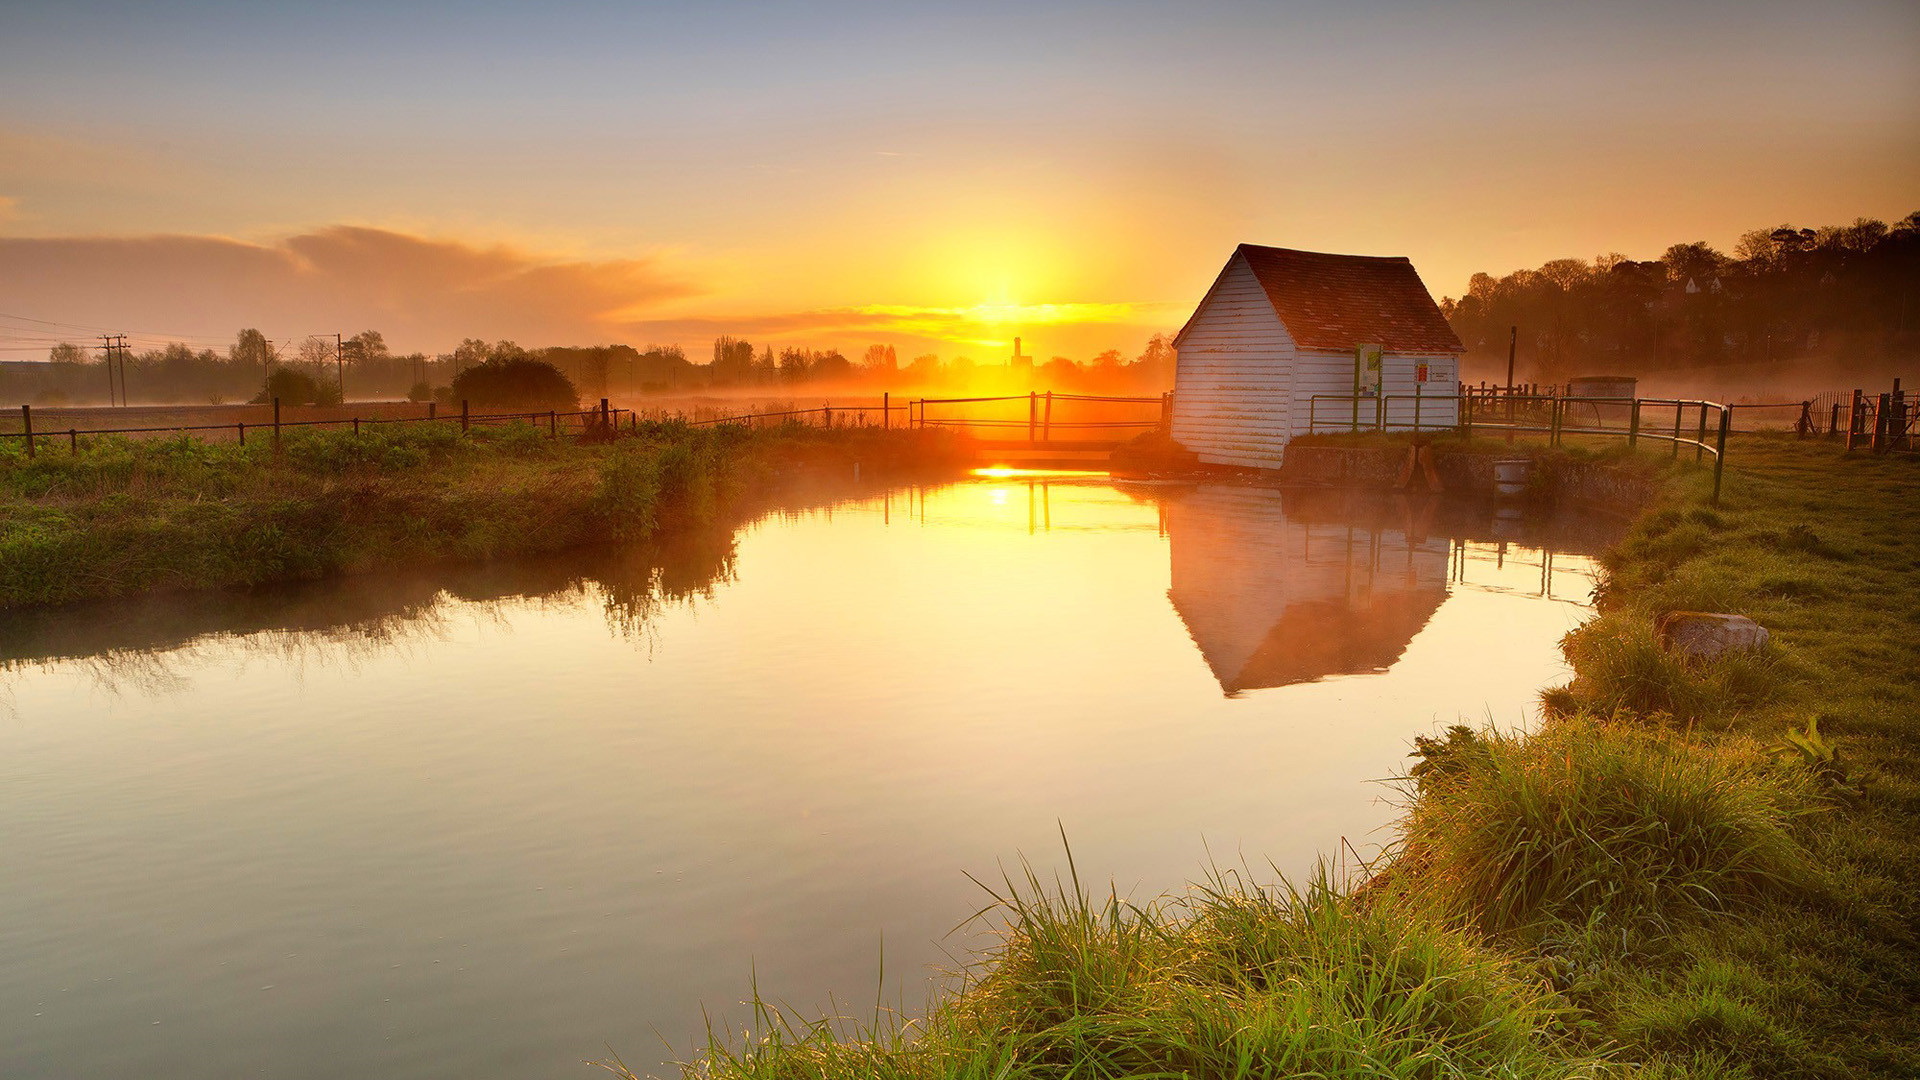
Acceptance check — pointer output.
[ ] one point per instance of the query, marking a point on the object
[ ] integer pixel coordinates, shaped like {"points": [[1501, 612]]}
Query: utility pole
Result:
{"points": [[115, 348], [340, 366], [106, 356]]}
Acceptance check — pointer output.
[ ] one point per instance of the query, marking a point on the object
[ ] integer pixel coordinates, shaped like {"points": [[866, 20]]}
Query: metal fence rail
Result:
{"points": [[1040, 421], [1703, 425]]}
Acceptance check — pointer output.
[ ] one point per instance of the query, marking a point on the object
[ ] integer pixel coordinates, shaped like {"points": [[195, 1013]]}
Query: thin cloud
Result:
{"points": [[420, 292], [984, 324]]}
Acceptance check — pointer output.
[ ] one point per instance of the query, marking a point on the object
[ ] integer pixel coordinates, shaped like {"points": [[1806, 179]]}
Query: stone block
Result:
{"points": [[1704, 635]]}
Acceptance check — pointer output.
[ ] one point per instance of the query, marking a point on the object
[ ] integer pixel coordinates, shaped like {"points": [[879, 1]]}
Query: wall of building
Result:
{"points": [[1233, 392]]}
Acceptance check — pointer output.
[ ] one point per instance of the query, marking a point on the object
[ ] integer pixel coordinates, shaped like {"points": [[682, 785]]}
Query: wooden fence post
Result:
{"points": [[886, 410], [356, 427], [1416, 408], [26, 418], [1853, 419], [73, 440], [465, 421], [276, 425], [1833, 423], [553, 424], [1046, 420], [606, 424], [1720, 450], [242, 426], [433, 410], [1033, 417], [1633, 425], [1679, 417], [1700, 443]]}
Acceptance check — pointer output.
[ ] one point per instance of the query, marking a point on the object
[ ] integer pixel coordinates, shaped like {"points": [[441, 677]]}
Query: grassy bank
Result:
{"points": [[123, 516], [1687, 871]]}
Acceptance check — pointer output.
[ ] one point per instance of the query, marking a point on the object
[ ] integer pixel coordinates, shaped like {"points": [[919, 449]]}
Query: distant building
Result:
{"points": [[1020, 363], [1284, 337]]}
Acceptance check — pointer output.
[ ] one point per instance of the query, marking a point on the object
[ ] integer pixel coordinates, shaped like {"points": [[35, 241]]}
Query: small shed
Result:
{"points": [[1621, 387], [1287, 341]]}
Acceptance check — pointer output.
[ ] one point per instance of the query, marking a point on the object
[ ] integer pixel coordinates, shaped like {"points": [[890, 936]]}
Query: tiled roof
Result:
{"points": [[1340, 301]]}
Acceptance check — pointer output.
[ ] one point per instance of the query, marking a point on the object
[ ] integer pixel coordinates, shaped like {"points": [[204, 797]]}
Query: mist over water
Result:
{"points": [[493, 821]]}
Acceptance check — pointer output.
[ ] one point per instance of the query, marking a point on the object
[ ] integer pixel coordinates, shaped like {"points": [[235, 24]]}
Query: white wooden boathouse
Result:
{"points": [[1286, 338]]}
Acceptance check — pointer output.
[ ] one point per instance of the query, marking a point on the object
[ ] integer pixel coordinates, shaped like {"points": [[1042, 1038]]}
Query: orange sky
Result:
{"points": [[937, 179]]}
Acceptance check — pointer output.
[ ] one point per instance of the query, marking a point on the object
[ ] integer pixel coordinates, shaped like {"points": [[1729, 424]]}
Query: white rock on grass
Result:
{"points": [[1704, 635]]}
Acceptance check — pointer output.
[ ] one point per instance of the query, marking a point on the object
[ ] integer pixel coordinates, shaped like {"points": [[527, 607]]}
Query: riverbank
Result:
{"points": [[1609, 476], [118, 516], [1701, 870]]}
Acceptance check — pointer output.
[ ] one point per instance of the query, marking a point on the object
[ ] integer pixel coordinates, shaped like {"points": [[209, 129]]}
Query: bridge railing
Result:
{"points": [[1042, 416]]}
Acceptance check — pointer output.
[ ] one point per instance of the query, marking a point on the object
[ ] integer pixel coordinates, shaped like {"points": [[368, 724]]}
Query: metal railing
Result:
{"points": [[1040, 421], [1702, 425]]}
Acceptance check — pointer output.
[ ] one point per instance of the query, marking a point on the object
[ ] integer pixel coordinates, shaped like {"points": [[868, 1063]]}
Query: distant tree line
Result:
{"points": [[1842, 291], [316, 370]]}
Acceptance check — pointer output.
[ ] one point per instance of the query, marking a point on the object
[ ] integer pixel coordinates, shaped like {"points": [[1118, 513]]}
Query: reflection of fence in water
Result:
{"points": [[1471, 560]]}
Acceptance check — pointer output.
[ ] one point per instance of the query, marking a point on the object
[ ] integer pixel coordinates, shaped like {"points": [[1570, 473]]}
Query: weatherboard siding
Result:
{"points": [[1233, 400]]}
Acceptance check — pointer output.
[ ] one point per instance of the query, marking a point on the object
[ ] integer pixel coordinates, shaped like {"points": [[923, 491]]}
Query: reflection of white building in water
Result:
{"points": [[1272, 601]]}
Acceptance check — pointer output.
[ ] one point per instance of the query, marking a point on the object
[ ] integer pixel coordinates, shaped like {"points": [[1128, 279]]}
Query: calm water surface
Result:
{"points": [[492, 823]]}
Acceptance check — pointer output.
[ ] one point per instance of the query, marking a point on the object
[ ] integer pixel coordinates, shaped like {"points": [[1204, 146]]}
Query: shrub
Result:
{"points": [[295, 386], [516, 383]]}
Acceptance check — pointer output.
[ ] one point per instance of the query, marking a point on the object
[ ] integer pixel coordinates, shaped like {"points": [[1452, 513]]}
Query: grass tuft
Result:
{"points": [[1587, 819], [1231, 981]]}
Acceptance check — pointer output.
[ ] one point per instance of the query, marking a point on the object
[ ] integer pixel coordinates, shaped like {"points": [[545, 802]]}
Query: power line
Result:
{"points": [[156, 334]]}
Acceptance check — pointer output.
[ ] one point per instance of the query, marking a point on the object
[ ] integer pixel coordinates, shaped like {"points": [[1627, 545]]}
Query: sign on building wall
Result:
{"points": [[1366, 370]]}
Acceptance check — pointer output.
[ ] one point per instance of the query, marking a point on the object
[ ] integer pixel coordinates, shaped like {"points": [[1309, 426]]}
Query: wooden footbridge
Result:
{"points": [[1044, 427]]}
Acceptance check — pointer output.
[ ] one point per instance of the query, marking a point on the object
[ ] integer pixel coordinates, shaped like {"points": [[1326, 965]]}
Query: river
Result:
{"points": [[494, 822]]}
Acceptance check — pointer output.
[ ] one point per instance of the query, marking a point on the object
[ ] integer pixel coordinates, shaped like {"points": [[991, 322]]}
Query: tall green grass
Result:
{"points": [[122, 515], [1231, 981], [1586, 820]]}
